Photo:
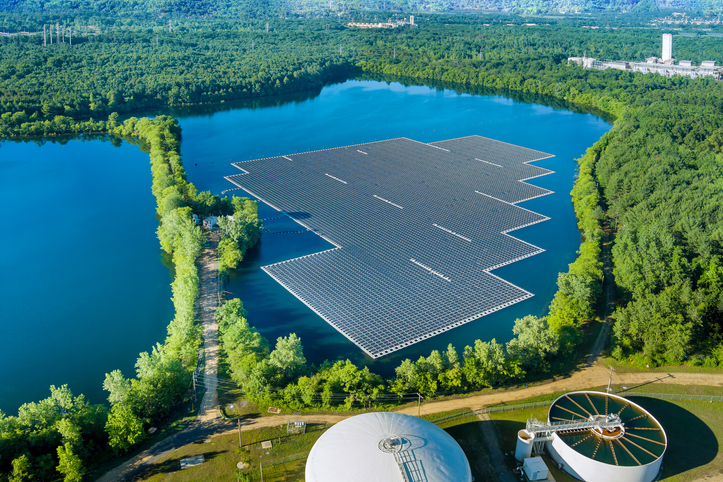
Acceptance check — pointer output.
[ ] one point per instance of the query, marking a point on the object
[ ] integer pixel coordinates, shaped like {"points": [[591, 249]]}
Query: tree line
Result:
{"points": [[655, 177]]}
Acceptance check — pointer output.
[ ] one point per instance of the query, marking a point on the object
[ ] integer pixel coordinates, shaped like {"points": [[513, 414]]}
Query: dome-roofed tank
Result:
{"points": [[629, 448], [386, 447]]}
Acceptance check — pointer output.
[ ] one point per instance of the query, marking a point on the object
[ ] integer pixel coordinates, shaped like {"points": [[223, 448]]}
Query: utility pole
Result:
{"points": [[610, 382], [252, 44], [339, 49], [70, 36], [45, 40], [170, 26], [480, 52], [239, 433], [267, 27], [57, 32], [395, 51], [51, 33], [419, 405]]}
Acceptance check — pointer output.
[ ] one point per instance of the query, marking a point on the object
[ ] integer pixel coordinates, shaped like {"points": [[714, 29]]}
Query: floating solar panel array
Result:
{"points": [[417, 228]]}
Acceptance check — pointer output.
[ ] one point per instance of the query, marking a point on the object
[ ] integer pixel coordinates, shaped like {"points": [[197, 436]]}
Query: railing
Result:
{"points": [[548, 428]]}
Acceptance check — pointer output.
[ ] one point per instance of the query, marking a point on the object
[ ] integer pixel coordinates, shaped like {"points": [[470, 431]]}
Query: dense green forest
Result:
{"points": [[250, 8], [656, 177]]}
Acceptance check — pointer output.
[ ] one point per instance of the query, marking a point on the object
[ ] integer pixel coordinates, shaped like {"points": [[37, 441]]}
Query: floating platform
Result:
{"points": [[417, 230]]}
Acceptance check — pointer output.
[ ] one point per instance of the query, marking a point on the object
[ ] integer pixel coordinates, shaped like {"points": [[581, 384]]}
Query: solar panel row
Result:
{"points": [[417, 227]]}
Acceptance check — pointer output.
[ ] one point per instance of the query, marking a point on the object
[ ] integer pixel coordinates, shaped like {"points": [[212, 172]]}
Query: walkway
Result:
{"points": [[208, 301]]}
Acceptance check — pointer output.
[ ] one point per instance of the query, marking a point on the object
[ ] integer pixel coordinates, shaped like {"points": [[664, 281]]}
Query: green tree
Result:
{"points": [[69, 464], [124, 428], [21, 469], [535, 343], [117, 386], [288, 357]]}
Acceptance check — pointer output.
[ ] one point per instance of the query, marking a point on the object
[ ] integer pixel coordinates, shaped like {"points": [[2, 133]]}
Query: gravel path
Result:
{"points": [[208, 261]]}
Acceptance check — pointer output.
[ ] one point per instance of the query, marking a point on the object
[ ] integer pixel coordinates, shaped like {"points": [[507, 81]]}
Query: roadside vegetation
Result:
{"points": [[656, 176]]}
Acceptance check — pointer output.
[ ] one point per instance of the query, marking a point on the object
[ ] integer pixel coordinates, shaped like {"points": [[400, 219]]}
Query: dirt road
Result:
{"points": [[208, 301]]}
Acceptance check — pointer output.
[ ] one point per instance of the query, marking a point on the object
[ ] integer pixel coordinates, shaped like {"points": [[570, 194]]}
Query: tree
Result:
{"points": [[124, 428], [69, 464], [288, 357], [117, 386], [535, 342], [21, 469]]}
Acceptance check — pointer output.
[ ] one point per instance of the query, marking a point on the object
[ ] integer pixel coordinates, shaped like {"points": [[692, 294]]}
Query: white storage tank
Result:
{"points": [[632, 451], [386, 447], [525, 442]]}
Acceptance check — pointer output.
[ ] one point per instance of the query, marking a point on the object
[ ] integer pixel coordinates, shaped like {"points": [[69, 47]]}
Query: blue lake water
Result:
{"points": [[85, 287], [362, 111]]}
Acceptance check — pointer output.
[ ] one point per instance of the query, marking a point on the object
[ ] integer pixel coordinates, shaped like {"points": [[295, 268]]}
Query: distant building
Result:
{"points": [[664, 65], [389, 24], [667, 47]]}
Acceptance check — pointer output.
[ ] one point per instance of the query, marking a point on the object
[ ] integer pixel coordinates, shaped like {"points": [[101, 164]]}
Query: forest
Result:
{"points": [[655, 179]]}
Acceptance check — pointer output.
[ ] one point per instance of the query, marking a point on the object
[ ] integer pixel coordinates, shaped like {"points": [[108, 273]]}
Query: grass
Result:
{"points": [[222, 453], [624, 367]]}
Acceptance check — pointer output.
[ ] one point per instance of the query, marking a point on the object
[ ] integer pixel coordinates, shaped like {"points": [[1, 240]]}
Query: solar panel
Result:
{"points": [[417, 230]]}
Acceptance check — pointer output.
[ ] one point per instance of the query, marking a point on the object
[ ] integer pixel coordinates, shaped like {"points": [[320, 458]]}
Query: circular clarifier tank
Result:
{"points": [[627, 446]]}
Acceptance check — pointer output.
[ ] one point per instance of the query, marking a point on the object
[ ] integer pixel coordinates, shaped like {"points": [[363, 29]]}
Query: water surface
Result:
{"points": [[84, 289], [363, 111]]}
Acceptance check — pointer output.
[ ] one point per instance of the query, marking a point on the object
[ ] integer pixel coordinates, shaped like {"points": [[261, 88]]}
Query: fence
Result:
{"points": [[674, 396], [545, 403], [493, 409], [269, 464]]}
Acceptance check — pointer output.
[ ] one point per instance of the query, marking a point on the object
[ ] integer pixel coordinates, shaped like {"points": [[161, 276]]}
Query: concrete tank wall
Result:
{"points": [[590, 470]]}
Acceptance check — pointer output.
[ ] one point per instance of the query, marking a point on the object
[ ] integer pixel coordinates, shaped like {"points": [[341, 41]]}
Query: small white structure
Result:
{"points": [[192, 461], [387, 447], [210, 222], [535, 468]]}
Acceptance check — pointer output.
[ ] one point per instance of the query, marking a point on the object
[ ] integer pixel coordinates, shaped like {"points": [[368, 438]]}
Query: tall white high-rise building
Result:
{"points": [[667, 47]]}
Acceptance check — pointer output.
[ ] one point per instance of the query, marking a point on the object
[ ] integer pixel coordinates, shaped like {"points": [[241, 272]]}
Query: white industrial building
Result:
{"points": [[664, 65], [596, 437], [386, 447]]}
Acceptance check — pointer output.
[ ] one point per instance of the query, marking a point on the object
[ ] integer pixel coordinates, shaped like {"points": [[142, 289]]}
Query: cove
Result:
{"points": [[360, 111], [84, 284]]}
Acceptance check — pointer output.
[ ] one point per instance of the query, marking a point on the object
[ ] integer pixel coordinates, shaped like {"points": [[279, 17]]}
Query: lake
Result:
{"points": [[361, 111], [86, 288], [84, 284]]}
